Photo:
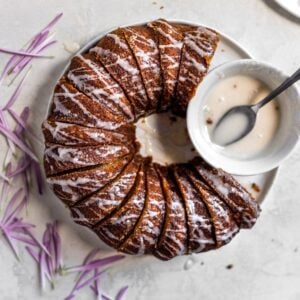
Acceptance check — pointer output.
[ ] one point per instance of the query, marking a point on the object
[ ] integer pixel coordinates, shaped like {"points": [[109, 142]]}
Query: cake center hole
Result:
{"points": [[165, 138]]}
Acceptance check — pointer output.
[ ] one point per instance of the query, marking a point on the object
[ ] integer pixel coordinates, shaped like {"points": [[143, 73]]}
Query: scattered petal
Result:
{"points": [[121, 293]]}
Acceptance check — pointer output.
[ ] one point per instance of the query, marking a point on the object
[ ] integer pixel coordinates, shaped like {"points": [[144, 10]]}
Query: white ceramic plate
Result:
{"points": [[167, 141], [291, 6]]}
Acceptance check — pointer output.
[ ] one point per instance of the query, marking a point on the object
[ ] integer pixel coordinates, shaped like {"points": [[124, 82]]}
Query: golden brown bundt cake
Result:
{"points": [[173, 237], [199, 222], [89, 76], [62, 158], [70, 187], [197, 51], [169, 39], [114, 53], [147, 231], [116, 228], [71, 106], [108, 199], [92, 160], [76, 135]]}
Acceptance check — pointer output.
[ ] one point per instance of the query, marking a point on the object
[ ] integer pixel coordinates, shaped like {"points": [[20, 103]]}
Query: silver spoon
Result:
{"points": [[250, 111]]}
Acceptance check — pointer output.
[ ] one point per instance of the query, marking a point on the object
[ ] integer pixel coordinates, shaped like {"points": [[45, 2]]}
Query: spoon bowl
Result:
{"points": [[245, 115]]}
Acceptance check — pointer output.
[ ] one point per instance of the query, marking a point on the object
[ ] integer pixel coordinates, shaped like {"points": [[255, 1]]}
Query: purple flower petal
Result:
{"points": [[5, 125], [24, 117], [96, 263], [10, 211], [89, 281], [16, 61], [10, 242], [121, 293], [22, 53], [10, 135], [2, 176], [23, 124], [32, 252], [16, 93]]}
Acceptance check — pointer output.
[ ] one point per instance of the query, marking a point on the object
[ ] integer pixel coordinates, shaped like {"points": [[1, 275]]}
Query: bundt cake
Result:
{"points": [[92, 157]]}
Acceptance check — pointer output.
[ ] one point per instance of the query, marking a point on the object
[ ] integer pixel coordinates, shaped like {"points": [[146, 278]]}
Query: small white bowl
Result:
{"points": [[287, 134]]}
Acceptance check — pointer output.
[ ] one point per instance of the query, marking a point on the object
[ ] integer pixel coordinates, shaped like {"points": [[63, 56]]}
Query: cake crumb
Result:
{"points": [[276, 107], [222, 50], [255, 187], [234, 86], [154, 2], [173, 119], [209, 121], [229, 267], [193, 149], [162, 7], [143, 121]]}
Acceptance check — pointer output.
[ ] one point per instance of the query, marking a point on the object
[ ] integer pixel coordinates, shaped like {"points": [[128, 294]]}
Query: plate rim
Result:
{"points": [[287, 9]]}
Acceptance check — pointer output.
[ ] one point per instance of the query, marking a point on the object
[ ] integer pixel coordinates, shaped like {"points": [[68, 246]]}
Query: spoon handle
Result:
{"points": [[286, 84]]}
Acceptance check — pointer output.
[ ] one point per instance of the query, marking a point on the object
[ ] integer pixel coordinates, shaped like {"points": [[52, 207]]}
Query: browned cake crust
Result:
{"points": [[198, 49], [224, 224], [62, 158], [114, 53], [95, 208], [71, 106], [146, 232], [200, 225], [170, 39], [89, 76], [77, 135], [116, 228], [141, 40], [173, 238], [71, 187], [240, 201]]}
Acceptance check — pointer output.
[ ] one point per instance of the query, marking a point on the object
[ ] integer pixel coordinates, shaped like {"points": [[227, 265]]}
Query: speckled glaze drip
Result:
{"points": [[76, 135], [58, 158], [146, 232], [200, 226], [118, 226], [198, 49], [71, 106], [173, 239], [90, 77], [142, 42], [93, 209], [239, 200], [224, 224], [113, 51], [72, 187], [170, 44]]}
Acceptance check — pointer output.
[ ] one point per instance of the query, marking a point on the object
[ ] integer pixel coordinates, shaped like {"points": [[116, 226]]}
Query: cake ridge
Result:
{"points": [[86, 70], [200, 227], [115, 228], [123, 65], [146, 232], [109, 193]]}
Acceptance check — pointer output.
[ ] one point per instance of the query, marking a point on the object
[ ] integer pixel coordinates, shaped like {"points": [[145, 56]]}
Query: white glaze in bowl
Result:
{"points": [[289, 125]]}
